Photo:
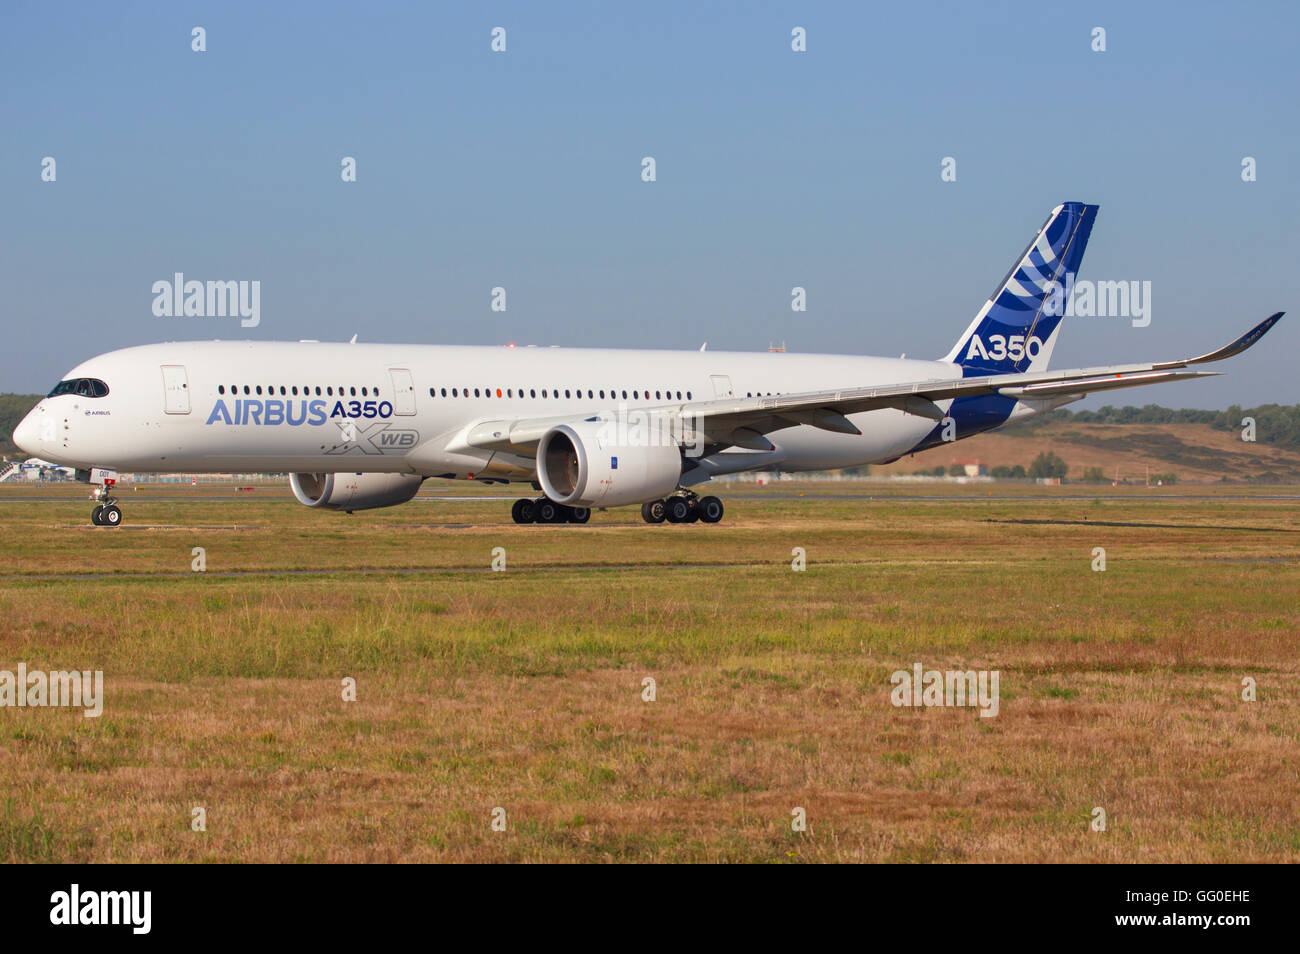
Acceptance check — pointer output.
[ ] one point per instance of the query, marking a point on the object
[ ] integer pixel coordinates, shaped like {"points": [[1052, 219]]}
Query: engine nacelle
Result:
{"points": [[354, 491], [587, 465]]}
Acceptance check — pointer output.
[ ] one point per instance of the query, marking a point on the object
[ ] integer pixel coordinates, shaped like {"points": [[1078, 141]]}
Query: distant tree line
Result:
{"points": [[13, 408], [1046, 464]]}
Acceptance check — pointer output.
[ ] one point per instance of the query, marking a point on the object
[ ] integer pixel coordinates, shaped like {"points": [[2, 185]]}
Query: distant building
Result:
{"points": [[36, 469]]}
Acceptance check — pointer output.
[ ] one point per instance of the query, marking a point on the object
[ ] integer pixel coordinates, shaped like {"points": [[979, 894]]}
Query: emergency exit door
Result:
{"points": [[403, 391], [176, 389]]}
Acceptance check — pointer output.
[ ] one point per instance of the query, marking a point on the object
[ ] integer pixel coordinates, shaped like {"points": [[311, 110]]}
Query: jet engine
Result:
{"points": [[354, 491], [600, 464]]}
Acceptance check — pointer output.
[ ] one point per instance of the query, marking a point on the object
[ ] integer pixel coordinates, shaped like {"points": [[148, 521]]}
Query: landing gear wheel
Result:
{"points": [[677, 510], [579, 514], [709, 509], [524, 511], [653, 512], [548, 511], [105, 513]]}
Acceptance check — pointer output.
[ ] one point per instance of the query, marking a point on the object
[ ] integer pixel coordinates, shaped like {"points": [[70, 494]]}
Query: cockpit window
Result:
{"points": [[83, 387]]}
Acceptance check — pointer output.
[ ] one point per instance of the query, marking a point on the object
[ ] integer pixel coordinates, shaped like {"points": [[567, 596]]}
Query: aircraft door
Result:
{"points": [[403, 391], [721, 385], [176, 389]]}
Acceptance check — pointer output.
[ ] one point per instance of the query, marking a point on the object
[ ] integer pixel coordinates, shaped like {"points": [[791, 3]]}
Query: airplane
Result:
{"points": [[359, 426]]}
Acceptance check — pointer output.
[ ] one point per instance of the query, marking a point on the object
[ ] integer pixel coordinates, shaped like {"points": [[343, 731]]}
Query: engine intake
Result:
{"points": [[592, 464], [354, 491]]}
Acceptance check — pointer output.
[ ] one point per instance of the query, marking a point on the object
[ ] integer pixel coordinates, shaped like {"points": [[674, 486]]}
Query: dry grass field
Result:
{"points": [[522, 689]]}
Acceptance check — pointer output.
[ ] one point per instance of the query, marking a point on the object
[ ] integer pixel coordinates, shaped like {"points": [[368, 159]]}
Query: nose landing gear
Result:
{"points": [[106, 512]]}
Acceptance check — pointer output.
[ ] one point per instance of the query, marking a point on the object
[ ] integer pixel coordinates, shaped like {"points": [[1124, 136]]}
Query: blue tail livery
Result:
{"points": [[1016, 329]]}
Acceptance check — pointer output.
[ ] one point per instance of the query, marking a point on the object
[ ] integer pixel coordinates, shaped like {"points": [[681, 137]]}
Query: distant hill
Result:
{"points": [[1194, 446]]}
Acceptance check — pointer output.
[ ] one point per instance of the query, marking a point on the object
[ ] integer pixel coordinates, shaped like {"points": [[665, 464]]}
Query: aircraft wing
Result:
{"points": [[742, 422]]}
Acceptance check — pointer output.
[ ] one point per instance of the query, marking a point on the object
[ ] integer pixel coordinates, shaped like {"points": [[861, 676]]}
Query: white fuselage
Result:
{"points": [[275, 407]]}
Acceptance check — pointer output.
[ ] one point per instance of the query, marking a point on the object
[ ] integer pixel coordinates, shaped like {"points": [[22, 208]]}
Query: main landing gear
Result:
{"points": [[106, 512], [683, 507], [544, 510]]}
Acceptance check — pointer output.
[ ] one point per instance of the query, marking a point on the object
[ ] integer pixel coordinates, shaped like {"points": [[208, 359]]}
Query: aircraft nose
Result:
{"points": [[26, 433]]}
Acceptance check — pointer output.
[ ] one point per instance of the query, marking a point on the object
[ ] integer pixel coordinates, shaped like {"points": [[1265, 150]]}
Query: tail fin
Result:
{"points": [[1016, 329]]}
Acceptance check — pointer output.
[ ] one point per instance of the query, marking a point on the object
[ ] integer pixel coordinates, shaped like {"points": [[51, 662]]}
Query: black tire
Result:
{"points": [[653, 512], [96, 514], [111, 517], [710, 509], [548, 511], [677, 510], [579, 514], [523, 511]]}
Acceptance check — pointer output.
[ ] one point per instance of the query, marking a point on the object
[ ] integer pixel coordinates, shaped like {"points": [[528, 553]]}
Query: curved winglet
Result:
{"points": [[1236, 347]]}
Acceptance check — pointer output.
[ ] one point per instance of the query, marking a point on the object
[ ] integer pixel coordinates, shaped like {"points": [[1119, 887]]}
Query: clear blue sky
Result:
{"points": [[522, 169]]}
